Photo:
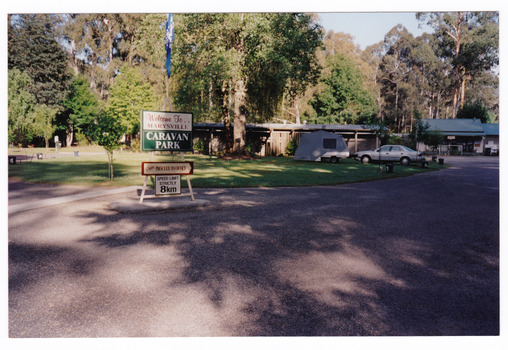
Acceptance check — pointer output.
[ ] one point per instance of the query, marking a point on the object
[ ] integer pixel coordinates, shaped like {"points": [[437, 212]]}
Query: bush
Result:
{"points": [[395, 140], [199, 146], [252, 148], [291, 147], [135, 145], [81, 139]]}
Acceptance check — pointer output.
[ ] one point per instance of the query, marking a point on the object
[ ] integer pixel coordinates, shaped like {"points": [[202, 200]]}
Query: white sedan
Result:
{"points": [[391, 153]]}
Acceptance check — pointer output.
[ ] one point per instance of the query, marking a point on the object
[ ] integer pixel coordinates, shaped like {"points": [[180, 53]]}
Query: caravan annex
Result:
{"points": [[320, 145]]}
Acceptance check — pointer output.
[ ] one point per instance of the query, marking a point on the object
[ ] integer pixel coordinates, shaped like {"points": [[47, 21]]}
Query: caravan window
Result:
{"points": [[330, 143]]}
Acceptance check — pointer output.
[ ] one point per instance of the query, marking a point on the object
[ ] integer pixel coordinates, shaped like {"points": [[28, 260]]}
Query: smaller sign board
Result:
{"points": [[167, 168], [167, 184]]}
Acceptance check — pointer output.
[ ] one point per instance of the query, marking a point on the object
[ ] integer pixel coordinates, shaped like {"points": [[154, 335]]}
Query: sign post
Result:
{"points": [[166, 132], [166, 175]]}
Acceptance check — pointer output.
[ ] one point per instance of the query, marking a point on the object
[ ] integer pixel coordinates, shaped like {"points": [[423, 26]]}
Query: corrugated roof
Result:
{"points": [[491, 129], [302, 127], [454, 126], [352, 127]]}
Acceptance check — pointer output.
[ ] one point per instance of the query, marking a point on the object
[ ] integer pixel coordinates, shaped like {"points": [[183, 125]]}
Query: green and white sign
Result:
{"points": [[166, 131]]}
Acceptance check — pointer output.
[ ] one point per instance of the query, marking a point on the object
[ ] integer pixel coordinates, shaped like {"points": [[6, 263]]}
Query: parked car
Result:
{"points": [[391, 153]]}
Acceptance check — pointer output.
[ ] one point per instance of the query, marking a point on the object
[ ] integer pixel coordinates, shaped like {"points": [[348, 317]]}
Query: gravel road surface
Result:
{"points": [[411, 256]]}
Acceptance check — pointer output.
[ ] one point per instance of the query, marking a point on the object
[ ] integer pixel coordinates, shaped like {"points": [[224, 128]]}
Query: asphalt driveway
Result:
{"points": [[409, 256]]}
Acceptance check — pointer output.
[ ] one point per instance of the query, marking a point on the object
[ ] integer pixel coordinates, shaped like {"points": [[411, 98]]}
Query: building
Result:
{"points": [[465, 136], [491, 142], [272, 139]]}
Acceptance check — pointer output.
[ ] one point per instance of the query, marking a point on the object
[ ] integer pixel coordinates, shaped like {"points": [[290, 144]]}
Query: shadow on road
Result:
{"points": [[411, 256]]}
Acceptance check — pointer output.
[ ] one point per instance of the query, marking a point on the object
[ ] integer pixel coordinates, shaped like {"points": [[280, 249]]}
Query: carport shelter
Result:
{"points": [[272, 138]]}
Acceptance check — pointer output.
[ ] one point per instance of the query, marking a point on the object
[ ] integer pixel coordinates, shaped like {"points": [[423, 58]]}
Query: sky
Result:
{"points": [[369, 28]]}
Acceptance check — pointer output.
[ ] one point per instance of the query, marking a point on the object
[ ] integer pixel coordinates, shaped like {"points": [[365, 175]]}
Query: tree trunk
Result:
{"points": [[226, 117], [73, 58], [110, 165], [397, 106], [70, 136], [240, 118], [456, 85], [296, 108], [463, 89]]}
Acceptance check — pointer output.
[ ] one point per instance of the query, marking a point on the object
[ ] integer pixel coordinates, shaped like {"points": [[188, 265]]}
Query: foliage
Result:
{"points": [[33, 49], [422, 133], [474, 109], [199, 146], [239, 66], [44, 117], [250, 67], [344, 99], [395, 140], [433, 138], [82, 139], [291, 147], [470, 40], [20, 106], [129, 95], [107, 132], [81, 107]]}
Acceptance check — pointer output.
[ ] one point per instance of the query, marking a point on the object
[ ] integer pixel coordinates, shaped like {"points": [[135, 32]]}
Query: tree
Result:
{"points": [[474, 109], [44, 117], [33, 49], [128, 96], [81, 108], [297, 37], [393, 74], [470, 40], [20, 106], [344, 98], [431, 76], [237, 67], [422, 133], [107, 132], [150, 55]]}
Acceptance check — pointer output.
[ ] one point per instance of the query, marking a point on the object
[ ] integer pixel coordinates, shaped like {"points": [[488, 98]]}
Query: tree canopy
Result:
{"points": [[241, 68]]}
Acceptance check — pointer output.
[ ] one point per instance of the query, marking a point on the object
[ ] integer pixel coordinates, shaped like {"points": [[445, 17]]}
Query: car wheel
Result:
{"points": [[404, 161], [365, 159], [333, 160]]}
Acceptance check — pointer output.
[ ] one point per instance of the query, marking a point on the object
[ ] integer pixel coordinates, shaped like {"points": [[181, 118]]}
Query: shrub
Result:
{"points": [[81, 139], [199, 146], [291, 147]]}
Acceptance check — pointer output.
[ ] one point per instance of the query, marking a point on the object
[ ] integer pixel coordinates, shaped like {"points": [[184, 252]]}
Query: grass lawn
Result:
{"points": [[208, 171]]}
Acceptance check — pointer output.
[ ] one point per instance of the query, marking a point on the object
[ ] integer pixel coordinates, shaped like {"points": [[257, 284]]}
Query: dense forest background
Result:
{"points": [[67, 72]]}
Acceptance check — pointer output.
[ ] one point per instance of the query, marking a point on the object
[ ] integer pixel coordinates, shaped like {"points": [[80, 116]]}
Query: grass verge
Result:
{"points": [[208, 171]]}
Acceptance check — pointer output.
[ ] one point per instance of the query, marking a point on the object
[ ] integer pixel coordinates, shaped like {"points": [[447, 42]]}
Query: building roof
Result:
{"points": [[491, 129], [457, 127], [294, 127]]}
